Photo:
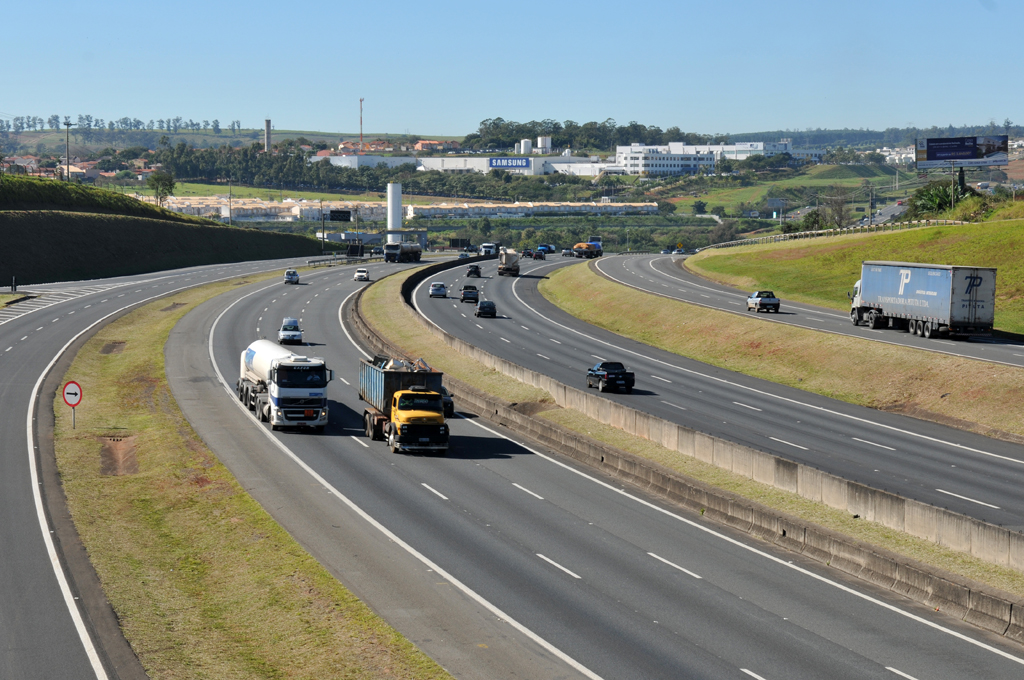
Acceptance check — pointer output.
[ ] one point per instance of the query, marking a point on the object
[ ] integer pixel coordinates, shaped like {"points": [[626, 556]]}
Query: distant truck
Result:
{"points": [[404, 404], [402, 252], [508, 262], [282, 388], [488, 248], [925, 299], [587, 250]]}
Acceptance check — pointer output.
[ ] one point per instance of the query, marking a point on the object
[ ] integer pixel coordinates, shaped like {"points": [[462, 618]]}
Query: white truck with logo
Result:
{"points": [[282, 388], [925, 299]]}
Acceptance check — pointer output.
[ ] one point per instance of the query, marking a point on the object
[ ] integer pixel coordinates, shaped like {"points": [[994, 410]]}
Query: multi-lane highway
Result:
{"points": [[44, 633], [965, 472], [500, 559], [663, 275]]}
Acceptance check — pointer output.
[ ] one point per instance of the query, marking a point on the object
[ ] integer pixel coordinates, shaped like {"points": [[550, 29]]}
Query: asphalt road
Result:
{"points": [[943, 466], [45, 631], [664, 275], [504, 560]]}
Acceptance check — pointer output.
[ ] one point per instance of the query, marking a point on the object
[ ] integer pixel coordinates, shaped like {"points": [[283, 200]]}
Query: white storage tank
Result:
{"points": [[544, 144], [394, 206], [519, 147], [525, 146]]}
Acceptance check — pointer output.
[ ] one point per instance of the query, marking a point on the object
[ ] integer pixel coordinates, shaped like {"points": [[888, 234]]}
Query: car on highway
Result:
{"points": [[377, 250], [291, 276], [610, 375], [567, 252], [666, 251], [539, 255], [763, 300], [473, 270], [526, 252], [448, 402], [679, 251], [463, 256], [289, 333], [469, 294], [361, 275], [486, 308], [437, 289]]}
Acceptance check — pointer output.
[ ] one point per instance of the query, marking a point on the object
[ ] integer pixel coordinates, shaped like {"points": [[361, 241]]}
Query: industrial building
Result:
{"points": [[527, 209]]}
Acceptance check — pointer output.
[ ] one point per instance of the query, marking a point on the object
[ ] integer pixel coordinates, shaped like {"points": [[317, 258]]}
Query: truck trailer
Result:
{"points": [[925, 299], [508, 262], [402, 252], [283, 388], [404, 405]]}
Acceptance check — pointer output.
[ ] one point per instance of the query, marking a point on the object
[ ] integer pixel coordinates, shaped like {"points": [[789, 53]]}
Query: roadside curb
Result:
{"points": [[968, 600]]}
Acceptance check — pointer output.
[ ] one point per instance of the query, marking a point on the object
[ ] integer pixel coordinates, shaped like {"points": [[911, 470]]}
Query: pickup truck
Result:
{"points": [[763, 300], [469, 293], [610, 375]]}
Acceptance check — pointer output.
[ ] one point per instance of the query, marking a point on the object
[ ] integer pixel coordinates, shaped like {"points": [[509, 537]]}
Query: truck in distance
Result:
{"points": [[610, 375], [925, 299], [282, 388], [402, 252], [404, 404], [763, 300], [508, 262], [587, 250]]}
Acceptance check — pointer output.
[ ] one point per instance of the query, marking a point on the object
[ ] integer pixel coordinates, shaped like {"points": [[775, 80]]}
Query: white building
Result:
{"points": [[674, 158], [733, 152], [527, 209], [364, 161]]}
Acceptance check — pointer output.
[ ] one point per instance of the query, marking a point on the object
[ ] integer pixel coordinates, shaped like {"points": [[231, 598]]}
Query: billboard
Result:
{"points": [[341, 216], [506, 163], [963, 152]]}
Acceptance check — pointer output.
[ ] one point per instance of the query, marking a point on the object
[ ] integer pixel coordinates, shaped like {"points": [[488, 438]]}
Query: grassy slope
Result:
{"points": [[41, 246], [205, 584], [821, 272]]}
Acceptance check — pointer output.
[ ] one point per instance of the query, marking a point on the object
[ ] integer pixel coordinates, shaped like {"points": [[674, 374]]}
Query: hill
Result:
{"points": [[822, 272], [42, 246]]}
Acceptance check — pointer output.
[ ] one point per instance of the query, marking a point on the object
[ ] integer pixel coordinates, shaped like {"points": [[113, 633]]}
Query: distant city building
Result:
{"points": [[433, 145], [528, 209], [670, 159]]}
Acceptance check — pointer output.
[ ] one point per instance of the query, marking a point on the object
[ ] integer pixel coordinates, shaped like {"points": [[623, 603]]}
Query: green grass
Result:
{"points": [[822, 271], [204, 583]]}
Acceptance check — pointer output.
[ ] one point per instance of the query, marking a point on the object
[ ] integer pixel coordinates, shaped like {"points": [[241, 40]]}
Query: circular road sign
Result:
{"points": [[72, 394]]}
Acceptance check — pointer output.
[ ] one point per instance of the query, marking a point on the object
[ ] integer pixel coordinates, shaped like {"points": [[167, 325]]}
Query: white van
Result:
{"points": [[488, 249]]}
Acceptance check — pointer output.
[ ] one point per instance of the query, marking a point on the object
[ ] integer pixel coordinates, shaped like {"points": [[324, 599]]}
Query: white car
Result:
{"points": [[290, 333], [437, 289], [361, 275], [291, 276]]}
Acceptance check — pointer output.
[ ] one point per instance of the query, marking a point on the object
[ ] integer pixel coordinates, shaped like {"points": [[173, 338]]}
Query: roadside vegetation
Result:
{"points": [[822, 271], [204, 582]]}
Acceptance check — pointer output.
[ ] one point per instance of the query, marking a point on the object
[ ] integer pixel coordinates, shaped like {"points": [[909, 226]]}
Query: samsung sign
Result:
{"points": [[509, 162]]}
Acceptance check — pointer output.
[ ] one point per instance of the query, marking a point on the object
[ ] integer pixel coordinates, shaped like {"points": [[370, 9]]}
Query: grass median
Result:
{"points": [[398, 323], [204, 582]]}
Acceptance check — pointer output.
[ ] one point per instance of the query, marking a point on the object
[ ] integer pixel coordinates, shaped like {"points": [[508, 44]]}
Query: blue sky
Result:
{"points": [[724, 66]]}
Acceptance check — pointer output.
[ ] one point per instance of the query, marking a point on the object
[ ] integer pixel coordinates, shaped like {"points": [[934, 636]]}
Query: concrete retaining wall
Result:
{"points": [[976, 603]]}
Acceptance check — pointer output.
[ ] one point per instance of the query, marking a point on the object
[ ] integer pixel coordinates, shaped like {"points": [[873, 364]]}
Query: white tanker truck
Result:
{"points": [[282, 388]]}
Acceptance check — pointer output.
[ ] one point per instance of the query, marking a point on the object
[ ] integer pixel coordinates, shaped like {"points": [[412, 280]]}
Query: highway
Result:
{"points": [[44, 631], [530, 565], [663, 275], [967, 473]]}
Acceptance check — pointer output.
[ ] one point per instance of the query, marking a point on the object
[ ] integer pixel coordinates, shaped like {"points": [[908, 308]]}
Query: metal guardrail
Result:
{"points": [[828, 233], [334, 261]]}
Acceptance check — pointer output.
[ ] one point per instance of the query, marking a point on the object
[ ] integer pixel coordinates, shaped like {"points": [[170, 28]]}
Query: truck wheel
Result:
{"points": [[391, 444], [928, 329], [854, 317], [367, 426], [601, 387]]}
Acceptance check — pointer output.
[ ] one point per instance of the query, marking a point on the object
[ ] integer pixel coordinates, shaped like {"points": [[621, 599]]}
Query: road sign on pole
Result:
{"points": [[72, 397]]}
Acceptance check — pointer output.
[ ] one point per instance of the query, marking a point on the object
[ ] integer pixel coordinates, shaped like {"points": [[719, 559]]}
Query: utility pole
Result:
{"points": [[67, 147], [361, 149]]}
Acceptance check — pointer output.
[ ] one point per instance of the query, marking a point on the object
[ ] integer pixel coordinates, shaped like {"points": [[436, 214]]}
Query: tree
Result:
{"points": [[54, 122], [837, 211], [813, 221], [700, 207], [162, 183], [666, 207], [874, 158], [718, 210], [216, 126]]}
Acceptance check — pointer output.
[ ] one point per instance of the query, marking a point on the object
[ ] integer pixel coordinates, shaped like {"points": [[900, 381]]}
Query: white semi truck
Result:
{"points": [[283, 388], [508, 262]]}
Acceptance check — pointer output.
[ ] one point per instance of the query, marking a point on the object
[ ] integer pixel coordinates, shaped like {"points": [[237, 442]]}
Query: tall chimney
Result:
{"points": [[266, 135]]}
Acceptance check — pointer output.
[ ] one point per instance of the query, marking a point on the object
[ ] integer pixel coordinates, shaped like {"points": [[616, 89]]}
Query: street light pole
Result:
{"points": [[67, 147]]}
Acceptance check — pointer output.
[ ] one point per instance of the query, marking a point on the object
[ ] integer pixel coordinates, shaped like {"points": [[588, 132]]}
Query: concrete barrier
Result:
{"points": [[954, 595]]}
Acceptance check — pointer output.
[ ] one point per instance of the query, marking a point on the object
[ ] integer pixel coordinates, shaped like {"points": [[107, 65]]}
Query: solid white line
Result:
{"points": [[668, 403], [433, 490], [341, 323], [672, 564], [506, 340], [752, 408], [556, 564], [661, 379], [360, 441], [553, 340], [598, 358], [343, 380], [782, 441], [900, 673], [865, 441], [752, 674], [965, 498], [544, 357], [523, 488]]}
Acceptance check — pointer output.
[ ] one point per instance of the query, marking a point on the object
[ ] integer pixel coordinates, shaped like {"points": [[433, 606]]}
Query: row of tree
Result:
{"points": [[87, 124], [891, 137], [498, 133]]}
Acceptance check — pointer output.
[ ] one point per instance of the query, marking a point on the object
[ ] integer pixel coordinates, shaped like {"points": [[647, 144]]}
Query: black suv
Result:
{"points": [[486, 308], [469, 293], [473, 270]]}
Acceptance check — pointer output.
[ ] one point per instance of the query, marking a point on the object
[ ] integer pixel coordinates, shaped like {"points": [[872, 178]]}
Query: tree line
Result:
{"points": [[498, 133]]}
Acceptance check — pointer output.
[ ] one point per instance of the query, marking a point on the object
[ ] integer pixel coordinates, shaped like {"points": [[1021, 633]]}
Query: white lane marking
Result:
{"points": [[556, 564], [737, 543], [668, 403], [661, 379], [555, 341], [434, 491], [965, 498], [380, 527], [752, 674], [900, 673], [361, 442], [783, 441], [526, 329], [523, 488], [479, 326], [503, 339], [544, 357], [765, 393], [40, 328], [673, 564], [464, 316], [24, 338], [71, 312], [343, 380], [703, 295], [88, 306], [752, 408], [598, 358], [55, 321], [943, 342], [9, 349], [865, 441]]}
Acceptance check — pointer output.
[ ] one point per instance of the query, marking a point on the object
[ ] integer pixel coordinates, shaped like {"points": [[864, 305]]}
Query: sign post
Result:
{"points": [[72, 397]]}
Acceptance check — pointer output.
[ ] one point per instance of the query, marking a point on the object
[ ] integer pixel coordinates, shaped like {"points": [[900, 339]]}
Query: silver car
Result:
{"points": [[291, 276], [437, 289], [290, 333]]}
